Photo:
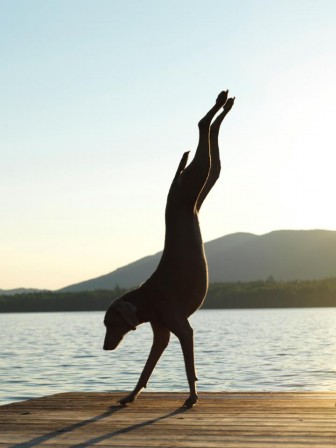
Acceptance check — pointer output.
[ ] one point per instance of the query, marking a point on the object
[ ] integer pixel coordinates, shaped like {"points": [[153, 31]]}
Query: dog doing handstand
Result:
{"points": [[178, 286]]}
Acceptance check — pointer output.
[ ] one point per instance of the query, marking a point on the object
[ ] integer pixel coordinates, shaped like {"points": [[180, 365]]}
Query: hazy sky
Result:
{"points": [[99, 99]]}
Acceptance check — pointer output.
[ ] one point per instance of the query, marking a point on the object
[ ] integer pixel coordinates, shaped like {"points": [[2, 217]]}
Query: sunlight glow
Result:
{"points": [[99, 102]]}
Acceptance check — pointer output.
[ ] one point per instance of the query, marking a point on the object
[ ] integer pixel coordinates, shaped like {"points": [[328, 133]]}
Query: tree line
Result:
{"points": [[256, 294]]}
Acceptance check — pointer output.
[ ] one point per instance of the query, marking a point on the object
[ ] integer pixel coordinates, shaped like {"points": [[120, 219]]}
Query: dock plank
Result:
{"points": [[233, 420]]}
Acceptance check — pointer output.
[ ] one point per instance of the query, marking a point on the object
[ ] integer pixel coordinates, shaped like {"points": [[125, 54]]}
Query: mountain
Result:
{"points": [[283, 254]]}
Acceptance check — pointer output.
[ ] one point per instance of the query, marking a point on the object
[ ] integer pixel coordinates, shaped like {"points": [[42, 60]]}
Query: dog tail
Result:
{"points": [[182, 164]]}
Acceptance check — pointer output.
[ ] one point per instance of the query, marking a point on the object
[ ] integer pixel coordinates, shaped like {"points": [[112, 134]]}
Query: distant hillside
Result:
{"points": [[12, 292], [284, 254]]}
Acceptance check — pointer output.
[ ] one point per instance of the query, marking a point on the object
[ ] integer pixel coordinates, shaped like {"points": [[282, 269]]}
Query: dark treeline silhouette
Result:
{"points": [[59, 301], [257, 294], [272, 294]]}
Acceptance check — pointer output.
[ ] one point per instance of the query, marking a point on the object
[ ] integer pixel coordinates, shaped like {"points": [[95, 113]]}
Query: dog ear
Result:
{"points": [[127, 311]]}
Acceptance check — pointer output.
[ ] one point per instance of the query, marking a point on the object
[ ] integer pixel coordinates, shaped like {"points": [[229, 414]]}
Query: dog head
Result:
{"points": [[119, 319]]}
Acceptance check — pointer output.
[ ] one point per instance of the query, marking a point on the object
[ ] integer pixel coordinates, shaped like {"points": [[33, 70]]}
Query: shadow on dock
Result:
{"points": [[113, 409]]}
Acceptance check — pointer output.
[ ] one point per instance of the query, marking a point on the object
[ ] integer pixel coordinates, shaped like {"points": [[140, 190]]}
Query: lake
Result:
{"points": [[236, 350]]}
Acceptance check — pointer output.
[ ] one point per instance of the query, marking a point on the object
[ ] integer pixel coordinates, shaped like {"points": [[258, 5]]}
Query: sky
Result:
{"points": [[100, 98]]}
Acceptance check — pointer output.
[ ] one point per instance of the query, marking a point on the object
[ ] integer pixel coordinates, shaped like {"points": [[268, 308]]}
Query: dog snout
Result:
{"points": [[111, 342]]}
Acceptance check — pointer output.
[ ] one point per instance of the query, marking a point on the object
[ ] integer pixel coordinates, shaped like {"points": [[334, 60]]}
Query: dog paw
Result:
{"points": [[128, 399], [222, 97], [191, 401], [228, 105]]}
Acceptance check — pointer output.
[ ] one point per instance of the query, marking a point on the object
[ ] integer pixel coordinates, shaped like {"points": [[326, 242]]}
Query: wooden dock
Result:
{"points": [[156, 420]]}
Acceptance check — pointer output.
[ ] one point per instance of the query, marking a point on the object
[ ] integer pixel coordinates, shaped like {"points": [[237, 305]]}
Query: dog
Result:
{"points": [[179, 285]]}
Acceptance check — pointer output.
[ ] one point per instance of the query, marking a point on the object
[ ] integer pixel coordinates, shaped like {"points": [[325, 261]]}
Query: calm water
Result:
{"points": [[236, 350]]}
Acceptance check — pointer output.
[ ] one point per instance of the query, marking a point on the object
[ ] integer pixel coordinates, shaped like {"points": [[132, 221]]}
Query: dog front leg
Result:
{"points": [[161, 337], [184, 332]]}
